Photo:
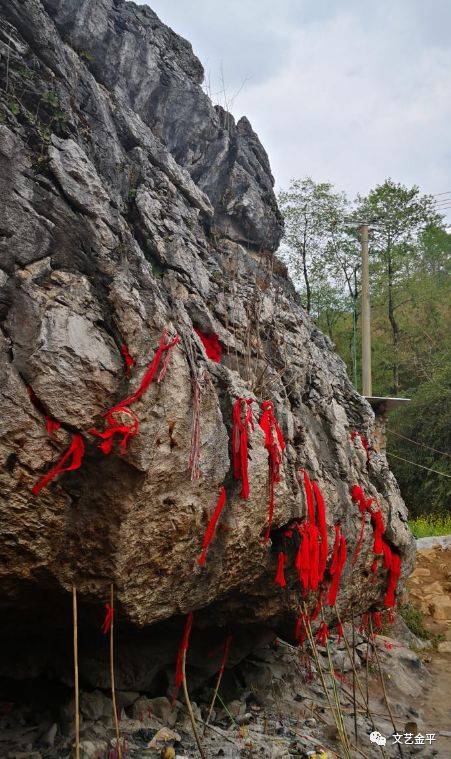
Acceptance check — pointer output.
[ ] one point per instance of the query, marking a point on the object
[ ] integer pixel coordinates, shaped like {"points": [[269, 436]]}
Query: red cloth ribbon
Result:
{"points": [[128, 361], [309, 497], [322, 527], [378, 529], [114, 428], [302, 561], [213, 347], [393, 577], [358, 496], [280, 574], [377, 620], [51, 424], [69, 461], [211, 527], [181, 653], [125, 431], [322, 634], [108, 619], [363, 440], [242, 422], [275, 445], [300, 629], [338, 562]]}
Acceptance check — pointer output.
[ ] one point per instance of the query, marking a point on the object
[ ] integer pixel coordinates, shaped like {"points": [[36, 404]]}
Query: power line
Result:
{"points": [[416, 442], [428, 469]]}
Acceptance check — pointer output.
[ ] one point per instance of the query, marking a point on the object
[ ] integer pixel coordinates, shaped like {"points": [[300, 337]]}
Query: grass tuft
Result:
{"points": [[431, 524]]}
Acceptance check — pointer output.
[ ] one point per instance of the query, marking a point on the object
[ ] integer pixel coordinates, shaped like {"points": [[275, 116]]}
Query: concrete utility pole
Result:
{"points": [[367, 388]]}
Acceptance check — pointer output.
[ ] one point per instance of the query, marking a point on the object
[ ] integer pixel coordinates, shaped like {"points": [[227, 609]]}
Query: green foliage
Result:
{"points": [[51, 98], [415, 621], [429, 525], [410, 296]]}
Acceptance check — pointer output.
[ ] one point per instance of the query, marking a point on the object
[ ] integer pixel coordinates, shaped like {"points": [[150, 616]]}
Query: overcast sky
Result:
{"points": [[347, 91]]}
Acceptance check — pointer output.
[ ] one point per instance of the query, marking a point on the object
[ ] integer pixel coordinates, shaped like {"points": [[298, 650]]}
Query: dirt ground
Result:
{"points": [[429, 591]]}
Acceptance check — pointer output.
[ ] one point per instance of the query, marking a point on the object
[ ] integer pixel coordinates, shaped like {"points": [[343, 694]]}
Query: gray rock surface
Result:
{"points": [[129, 205]]}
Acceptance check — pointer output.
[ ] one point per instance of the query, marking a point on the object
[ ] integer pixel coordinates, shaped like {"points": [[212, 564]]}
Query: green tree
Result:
{"points": [[398, 216], [312, 213]]}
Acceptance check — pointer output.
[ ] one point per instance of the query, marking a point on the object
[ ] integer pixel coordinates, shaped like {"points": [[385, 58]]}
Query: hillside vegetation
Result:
{"points": [[410, 295]]}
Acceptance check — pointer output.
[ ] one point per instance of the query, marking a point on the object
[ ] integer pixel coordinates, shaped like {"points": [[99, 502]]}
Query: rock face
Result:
{"points": [[131, 205]]}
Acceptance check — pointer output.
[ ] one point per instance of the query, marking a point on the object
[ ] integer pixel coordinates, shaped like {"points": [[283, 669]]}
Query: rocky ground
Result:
{"points": [[271, 705]]}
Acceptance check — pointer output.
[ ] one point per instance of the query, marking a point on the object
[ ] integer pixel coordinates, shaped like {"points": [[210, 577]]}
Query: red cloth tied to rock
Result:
{"points": [[128, 361], [183, 648], [242, 423], [364, 440], [322, 634], [51, 424], [364, 504], [312, 533], [379, 529], [337, 565], [309, 497], [280, 574], [300, 629], [302, 561], [322, 527], [275, 445], [119, 428], [213, 347], [393, 577], [211, 527], [108, 619], [377, 620], [69, 461]]}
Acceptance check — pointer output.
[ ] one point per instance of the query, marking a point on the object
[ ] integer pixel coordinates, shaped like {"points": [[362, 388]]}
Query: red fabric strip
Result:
{"points": [[313, 534], [338, 562], [242, 423], [280, 574], [302, 561], [377, 620], [126, 431], [51, 424], [275, 445], [300, 629], [69, 461], [322, 634], [108, 619], [379, 529], [182, 649], [150, 373], [213, 347], [211, 527], [393, 577], [128, 361], [322, 526], [309, 497]]}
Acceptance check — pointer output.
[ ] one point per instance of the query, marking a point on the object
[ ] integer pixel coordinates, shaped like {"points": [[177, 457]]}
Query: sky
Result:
{"points": [[345, 91]]}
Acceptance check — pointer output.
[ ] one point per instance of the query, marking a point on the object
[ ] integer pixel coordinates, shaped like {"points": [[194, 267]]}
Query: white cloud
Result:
{"points": [[347, 91]]}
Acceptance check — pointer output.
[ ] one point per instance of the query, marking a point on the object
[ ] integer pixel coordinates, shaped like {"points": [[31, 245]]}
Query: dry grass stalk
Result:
{"points": [[76, 683], [190, 708], [112, 679]]}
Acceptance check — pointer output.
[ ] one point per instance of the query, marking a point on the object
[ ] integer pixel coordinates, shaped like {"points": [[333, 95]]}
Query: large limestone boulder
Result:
{"points": [[131, 205]]}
